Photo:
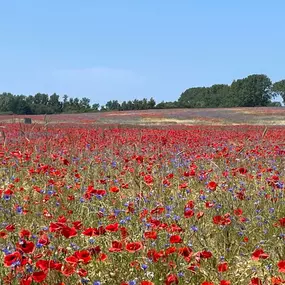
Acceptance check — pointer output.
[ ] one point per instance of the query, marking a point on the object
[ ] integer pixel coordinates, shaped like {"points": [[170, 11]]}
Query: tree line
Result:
{"points": [[254, 90]]}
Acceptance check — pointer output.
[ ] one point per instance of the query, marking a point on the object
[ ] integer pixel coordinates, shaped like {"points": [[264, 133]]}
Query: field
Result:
{"points": [[142, 198], [231, 116]]}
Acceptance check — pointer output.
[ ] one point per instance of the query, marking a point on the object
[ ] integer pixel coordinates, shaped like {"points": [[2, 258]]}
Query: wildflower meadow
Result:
{"points": [[104, 205]]}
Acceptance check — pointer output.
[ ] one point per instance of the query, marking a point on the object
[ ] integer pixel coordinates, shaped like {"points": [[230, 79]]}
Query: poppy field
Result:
{"points": [[85, 204]]}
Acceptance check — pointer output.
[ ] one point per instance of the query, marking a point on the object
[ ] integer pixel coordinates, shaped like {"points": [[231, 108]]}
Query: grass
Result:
{"points": [[164, 205]]}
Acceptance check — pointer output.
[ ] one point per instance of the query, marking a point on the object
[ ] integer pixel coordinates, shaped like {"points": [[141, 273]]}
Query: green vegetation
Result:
{"points": [[252, 91]]}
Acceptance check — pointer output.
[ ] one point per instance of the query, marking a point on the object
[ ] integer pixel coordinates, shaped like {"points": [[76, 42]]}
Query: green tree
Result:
{"points": [[95, 107], [6, 101], [54, 103], [151, 103], [279, 89], [113, 105], [41, 98], [84, 104], [254, 90]]}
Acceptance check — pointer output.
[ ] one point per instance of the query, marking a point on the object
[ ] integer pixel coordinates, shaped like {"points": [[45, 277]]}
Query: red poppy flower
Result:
{"points": [[112, 227], [71, 259], [282, 222], [43, 264], [185, 251], [114, 189], [147, 283], [259, 253], [277, 281], [170, 250], [44, 240], [188, 213], [68, 232], [83, 256], [175, 239], [82, 272], [194, 267], [209, 204], [222, 267], [155, 255], [212, 185], [68, 269], [207, 283], [225, 282], [205, 254], [55, 265], [148, 179], [175, 229], [242, 170], [116, 246], [157, 210], [10, 228], [88, 232], [281, 266], [25, 233], [102, 257], [134, 246], [77, 225], [124, 233], [3, 234], [150, 235], [26, 246], [171, 279], [12, 258], [255, 281], [39, 276], [27, 280], [200, 215], [238, 212]]}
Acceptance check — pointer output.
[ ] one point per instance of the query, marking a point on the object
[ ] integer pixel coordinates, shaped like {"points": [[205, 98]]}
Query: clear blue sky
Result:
{"points": [[126, 49]]}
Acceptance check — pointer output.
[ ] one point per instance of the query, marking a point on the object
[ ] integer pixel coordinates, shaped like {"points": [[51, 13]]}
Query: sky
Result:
{"points": [[127, 49]]}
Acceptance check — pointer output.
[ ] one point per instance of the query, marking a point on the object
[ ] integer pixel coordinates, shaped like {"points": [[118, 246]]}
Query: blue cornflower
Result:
{"points": [[144, 266], [202, 197], [194, 228], [176, 218], [6, 197], [117, 212], [19, 210], [271, 210]]}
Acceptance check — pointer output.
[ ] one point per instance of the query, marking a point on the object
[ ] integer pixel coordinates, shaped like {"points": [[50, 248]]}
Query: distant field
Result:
{"points": [[229, 116]]}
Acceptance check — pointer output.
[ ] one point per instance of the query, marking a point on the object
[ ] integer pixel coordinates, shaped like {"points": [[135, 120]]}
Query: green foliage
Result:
{"points": [[254, 90], [279, 89], [136, 104], [43, 104]]}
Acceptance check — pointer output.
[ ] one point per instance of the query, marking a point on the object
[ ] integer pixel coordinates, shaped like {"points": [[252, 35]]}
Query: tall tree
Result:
{"points": [[279, 89], [254, 90], [84, 104], [54, 103]]}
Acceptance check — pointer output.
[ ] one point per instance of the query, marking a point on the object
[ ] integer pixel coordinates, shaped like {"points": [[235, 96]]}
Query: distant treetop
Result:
{"points": [[252, 91]]}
